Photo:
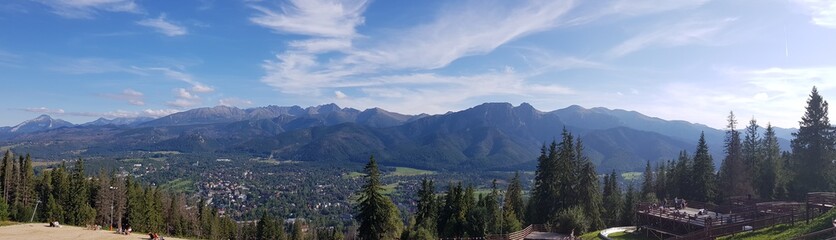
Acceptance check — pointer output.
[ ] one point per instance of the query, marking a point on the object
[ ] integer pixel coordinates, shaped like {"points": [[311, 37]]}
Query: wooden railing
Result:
{"points": [[823, 234], [518, 235]]}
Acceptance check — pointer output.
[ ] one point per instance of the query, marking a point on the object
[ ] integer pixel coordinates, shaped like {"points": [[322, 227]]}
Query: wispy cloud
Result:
{"points": [[89, 8], [679, 34], [9, 60], [92, 66], [234, 102], [44, 110], [320, 18], [184, 99], [164, 26], [133, 97], [155, 113], [775, 95], [823, 12], [181, 75], [596, 10], [458, 32]]}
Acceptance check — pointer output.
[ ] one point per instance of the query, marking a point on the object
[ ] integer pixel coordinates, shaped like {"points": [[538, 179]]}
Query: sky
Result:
{"points": [[693, 60]]}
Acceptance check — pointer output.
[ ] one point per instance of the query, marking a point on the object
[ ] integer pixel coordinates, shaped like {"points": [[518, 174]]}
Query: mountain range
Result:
{"points": [[490, 136]]}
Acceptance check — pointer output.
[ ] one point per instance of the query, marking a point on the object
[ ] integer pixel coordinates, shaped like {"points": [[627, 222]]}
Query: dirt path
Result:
{"points": [[42, 231]]}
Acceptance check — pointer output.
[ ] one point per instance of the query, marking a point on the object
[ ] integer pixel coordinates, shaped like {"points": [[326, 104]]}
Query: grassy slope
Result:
{"points": [[786, 231]]}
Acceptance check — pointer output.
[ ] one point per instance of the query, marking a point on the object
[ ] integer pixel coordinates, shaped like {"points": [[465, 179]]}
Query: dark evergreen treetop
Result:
{"points": [[813, 148]]}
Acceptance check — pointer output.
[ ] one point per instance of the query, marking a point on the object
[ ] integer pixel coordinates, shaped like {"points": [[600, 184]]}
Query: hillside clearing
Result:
{"points": [[42, 231]]}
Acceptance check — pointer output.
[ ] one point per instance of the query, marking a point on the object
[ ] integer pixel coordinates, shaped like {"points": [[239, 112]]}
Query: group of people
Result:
{"points": [[679, 203], [124, 231], [155, 236]]}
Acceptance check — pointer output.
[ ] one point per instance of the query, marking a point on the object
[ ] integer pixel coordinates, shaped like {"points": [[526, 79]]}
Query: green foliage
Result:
{"points": [[4, 210], [772, 175], [734, 178], [613, 204], [514, 205], [703, 178], [427, 209], [813, 149], [572, 219], [377, 215], [268, 228], [631, 199]]}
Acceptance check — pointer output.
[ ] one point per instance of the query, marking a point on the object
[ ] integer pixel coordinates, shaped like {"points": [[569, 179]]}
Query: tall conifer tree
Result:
{"points": [[813, 149]]}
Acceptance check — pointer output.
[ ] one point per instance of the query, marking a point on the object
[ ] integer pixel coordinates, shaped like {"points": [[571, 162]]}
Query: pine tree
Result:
{"points": [[491, 205], [752, 154], [612, 200], [269, 229], [703, 181], [514, 199], [427, 209], [648, 191], [79, 200], [592, 203], [297, 234], [661, 180], [543, 188], [61, 192], [8, 175], [566, 174], [27, 183], [4, 210], [733, 175], [813, 149], [771, 167], [375, 211], [630, 200]]}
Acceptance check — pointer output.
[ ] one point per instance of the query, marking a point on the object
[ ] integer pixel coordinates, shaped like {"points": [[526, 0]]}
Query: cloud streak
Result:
{"points": [[89, 8], [459, 32], [679, 34], [133, 97], [163, 26], [319, 18], [154, 113]]}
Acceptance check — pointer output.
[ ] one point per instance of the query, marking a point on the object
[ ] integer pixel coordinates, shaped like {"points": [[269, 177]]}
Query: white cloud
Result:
{"points": [[321, 18], [159, 112], [234, 102], [44, 110], [184, 99], [133, 97], [185, 94], [340, 95], [89, 8], [163, 26], [182, 103], [679, 34], [182, 76], [456, 33], [775, 95], [433, 93], [822, 12], [628, 8]]}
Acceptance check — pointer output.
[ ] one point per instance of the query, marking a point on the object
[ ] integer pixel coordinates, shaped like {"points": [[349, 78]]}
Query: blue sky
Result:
{"points": [[693, 60]]}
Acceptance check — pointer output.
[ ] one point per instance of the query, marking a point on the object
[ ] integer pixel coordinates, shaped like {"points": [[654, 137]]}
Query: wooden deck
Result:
{"points": [[664, 223]]}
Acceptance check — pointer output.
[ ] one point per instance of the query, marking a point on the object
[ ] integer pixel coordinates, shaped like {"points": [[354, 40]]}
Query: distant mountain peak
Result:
{"points": [[42, 122]]}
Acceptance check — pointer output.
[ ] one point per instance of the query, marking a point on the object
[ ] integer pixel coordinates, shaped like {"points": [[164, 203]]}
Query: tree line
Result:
{"points": [[66, 195], [567, 197], [754, 167]]}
